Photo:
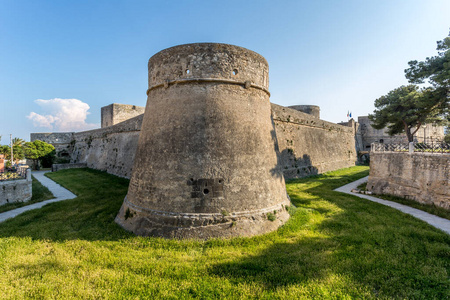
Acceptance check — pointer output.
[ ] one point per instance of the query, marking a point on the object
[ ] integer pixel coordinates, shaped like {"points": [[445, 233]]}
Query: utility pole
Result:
{"points": [[12, 154]]}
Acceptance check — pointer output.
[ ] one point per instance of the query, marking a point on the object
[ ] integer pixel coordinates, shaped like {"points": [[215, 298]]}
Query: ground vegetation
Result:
{"points": [[334, 246]]}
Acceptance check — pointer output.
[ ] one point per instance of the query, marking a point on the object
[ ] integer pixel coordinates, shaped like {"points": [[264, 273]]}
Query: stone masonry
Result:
{"points": [[206, 163], [423, 177]]}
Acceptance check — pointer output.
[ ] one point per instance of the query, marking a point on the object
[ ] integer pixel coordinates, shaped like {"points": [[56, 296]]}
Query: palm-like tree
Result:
{"points": [[18, 142]]}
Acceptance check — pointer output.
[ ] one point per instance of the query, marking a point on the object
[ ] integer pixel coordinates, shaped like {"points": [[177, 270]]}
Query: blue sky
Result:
{"points": [[61, 61]]}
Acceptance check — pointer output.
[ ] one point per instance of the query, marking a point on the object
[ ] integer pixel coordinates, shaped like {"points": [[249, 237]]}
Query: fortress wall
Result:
{"points": [[309, 145], [423, 177], [111, 149], [60, 140], [116, 113]]}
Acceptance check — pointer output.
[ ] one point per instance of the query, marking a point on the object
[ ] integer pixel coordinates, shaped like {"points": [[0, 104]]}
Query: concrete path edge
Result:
{"points": [[435, 221], [58, 191]]}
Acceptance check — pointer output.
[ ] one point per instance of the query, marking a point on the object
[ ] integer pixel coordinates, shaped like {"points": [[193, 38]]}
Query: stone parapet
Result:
{"points": [[423, 177], [16, 190]]}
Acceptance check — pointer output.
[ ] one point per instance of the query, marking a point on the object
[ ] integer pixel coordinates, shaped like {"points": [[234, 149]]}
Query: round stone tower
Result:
{"points": [[206, 161]]}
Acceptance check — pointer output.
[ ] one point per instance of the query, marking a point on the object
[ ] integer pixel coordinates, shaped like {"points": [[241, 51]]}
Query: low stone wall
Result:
{"points": [[309, 145], [57, 167], [111, 149], [16, 190], [423, 177]]}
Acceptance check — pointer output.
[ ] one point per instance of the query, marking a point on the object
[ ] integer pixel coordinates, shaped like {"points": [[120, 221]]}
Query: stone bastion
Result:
{"points": [[206, 162]]}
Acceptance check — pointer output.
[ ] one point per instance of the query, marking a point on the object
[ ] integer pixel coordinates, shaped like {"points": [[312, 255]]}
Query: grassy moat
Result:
{"points": [[334, 246]]}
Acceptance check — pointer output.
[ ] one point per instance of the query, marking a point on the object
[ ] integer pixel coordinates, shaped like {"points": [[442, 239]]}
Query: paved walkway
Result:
{"points": [[58, 191], [438, 222]]}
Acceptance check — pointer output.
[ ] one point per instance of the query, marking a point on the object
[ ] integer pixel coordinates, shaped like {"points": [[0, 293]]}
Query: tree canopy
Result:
{"points": [[407, 108], [39, 150]]}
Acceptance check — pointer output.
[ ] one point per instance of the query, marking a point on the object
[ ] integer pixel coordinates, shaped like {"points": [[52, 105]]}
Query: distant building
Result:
{"points": [[365, 134]]}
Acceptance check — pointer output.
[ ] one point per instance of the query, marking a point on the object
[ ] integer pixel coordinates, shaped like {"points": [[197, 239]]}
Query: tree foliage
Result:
{"points": [[39, 151], [18, 152], [407, 108]]}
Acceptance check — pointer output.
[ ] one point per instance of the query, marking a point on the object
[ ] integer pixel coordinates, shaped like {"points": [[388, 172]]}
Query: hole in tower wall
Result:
{"points": [[235, 72], [206, 191], [188, 71]]}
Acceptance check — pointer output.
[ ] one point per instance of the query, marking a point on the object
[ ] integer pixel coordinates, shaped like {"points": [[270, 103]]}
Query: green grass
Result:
{"points": [[335, 246], [429, 208], [39, 193]]}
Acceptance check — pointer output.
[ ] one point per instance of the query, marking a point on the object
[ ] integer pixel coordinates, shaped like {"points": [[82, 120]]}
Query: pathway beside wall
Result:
{"points": [[58, 191], [435, 221]]}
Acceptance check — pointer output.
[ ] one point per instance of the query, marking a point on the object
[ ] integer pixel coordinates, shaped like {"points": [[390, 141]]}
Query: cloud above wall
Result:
{"points": [[62, 115]]}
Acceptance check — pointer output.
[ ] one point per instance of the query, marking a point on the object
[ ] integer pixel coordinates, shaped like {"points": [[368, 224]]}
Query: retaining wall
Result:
{"points": [[16, 190], [57, 167], [423, 177]]}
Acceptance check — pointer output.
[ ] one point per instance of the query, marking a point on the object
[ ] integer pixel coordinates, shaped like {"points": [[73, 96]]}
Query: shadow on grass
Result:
{"points": [[90, 216], [357, 246], [333, 240]]}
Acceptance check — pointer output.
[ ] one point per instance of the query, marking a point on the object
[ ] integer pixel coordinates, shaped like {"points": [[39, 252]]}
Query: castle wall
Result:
{"points": [[62, 141], [426, 133], [116, 113], [111, 149], [313, 110], [309, 145], [423, 177]]}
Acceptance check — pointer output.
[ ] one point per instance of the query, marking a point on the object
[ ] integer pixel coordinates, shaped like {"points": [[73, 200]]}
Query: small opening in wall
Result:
{"points": [[206, 191], [192, 179], [235, 72], [220, 180], [188, 71]]}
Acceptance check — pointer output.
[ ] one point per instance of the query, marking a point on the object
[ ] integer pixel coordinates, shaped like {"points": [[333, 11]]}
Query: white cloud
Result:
{"points": [[62, 115]]}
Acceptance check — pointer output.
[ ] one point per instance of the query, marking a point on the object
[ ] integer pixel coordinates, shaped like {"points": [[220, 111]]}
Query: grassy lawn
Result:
{"points": [[334, 246], [40, 193], [429, 208]]}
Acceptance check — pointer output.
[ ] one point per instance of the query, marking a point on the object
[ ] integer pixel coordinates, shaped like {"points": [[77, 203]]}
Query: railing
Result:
{"points": [[429, 147], [14, 174]]}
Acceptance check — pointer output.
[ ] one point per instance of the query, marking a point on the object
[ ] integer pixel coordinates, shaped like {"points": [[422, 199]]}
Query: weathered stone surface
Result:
{"points": [[313, 110], [111, 149], [62, 141], [57, 167], [16, 190], [309, 145], [418, 176], [206, 163], [369, 135], [117, 113]]}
